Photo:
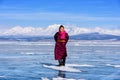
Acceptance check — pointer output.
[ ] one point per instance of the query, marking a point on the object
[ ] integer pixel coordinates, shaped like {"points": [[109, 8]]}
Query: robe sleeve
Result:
{"points": [[67, 37], [55, 37]]}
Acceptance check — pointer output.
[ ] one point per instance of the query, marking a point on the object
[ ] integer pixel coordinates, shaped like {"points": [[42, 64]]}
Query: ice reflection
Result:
{"points": [[61, 74]]}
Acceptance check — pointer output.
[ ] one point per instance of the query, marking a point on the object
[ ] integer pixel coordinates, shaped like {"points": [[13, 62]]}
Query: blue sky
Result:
{"points": [[42, 13]]}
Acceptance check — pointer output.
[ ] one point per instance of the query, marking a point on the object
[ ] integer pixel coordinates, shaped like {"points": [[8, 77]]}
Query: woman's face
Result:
{"points": [[61, 29]]}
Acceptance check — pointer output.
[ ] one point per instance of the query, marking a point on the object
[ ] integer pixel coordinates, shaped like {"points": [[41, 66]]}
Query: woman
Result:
{"points": [[61, 39]]}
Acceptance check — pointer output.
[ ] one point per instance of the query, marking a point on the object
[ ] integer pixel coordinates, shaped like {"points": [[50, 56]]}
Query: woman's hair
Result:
{"points": [[61, 26]]}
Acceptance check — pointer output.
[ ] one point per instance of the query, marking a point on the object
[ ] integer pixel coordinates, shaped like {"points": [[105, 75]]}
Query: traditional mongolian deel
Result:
{"points": [[61, 39]]}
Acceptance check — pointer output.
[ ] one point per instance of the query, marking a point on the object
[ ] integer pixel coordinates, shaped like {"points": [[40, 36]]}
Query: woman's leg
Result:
{"points": [[60, 62], [64, 60]]}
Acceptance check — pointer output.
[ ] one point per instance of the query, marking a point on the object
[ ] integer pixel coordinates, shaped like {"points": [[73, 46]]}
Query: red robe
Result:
{"points": [[60, 51]]}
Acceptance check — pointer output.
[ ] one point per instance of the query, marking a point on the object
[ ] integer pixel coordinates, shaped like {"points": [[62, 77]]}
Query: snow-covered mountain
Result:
{"points": [[35, 34], [52, 29], [95, 36]]}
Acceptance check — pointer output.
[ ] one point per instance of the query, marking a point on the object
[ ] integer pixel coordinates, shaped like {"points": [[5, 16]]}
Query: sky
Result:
{"points": [[43, 13]]}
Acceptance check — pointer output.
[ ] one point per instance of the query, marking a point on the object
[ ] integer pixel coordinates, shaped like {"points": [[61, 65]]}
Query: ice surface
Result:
{"points": [[98, 60]]}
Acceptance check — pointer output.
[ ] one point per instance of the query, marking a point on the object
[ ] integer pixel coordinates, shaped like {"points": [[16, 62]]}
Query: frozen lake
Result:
{"points": [[24, 60]]}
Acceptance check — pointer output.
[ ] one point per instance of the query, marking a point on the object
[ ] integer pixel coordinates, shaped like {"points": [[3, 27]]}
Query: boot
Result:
{"points": [[63, 62], [60, 62]]}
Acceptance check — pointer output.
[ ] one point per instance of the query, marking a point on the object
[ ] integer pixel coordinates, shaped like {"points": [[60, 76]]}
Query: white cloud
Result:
{"points": [[56, 16], [52, 29]]}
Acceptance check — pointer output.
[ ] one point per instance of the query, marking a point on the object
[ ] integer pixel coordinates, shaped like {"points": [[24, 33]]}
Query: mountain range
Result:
{"points": [[85, 36], [19, 33]]}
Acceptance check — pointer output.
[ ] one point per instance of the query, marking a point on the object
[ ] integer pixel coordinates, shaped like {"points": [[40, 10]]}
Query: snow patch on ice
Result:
{"points": [[29, 53], [79, 65], [59, 78], [116, 66], [2, 76], [62, 68], [44, 78]]}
